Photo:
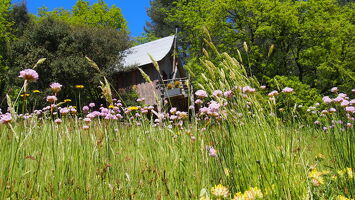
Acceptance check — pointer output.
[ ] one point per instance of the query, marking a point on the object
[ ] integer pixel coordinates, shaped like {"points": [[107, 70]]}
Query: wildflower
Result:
{"points": [[226, 171], [327, 100], [56, 87], [58, 121], [25, 95], [341, 197], [5, 118], [332, 110], [67, 100], [52, 99], [263, 87], [349, 125], [29, 74], [217, 93], [201, 94], [316, 177], [317, 122], [212, 152], [86, 109], [91, 105], [79, 86], [132, 108], [87, 120], [253, 193], [73, 111], [344, 103], [220, 191], [86, 127], [338, 99], [173, 110], [273, 93], [334, 90], [239, 196], [140, 100], [198, 101], [228, 94], [248, 89], [64, 111], [36, 91], [350, 109], [287, 90]]}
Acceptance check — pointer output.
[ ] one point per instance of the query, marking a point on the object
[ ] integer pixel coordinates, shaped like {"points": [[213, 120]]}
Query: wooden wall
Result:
{"points": [[145, 89]]}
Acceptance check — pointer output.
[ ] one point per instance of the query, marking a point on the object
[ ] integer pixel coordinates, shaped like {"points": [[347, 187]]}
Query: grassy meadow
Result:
{"points": [[240, 145]]}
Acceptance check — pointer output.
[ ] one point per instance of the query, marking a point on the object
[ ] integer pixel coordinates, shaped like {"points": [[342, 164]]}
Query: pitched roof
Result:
{"points": [[139, 55]]}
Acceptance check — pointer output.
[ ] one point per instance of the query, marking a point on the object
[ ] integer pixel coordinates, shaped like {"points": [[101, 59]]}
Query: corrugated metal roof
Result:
{"points": [[139, 55]]}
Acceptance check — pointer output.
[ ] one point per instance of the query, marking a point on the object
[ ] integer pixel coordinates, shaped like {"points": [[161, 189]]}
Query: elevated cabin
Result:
{"points": [[164, 82]]}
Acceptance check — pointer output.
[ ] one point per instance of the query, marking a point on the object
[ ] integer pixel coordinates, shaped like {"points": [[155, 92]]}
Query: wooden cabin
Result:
{"points": [[161, 50]]}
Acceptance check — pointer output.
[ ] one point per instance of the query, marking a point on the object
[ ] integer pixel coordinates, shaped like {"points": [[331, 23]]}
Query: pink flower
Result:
{"points": [[217, 93], [212, 152], [248, 89], [287, 90], [344, 103], [201, 94], [140, 100], [228, 94], [64, 111], [273, 93], [56, 87], [327, 100], [338, 99], [350, 109], [349, 125], [317, 122], [173, 110], [263, 87], [58, 121], [52, 99], [86, 127], [353, 90], [29, 74], [86, 109], [87, 120], [91, 105], [334, 90], [352, 102], [198, 101], [5, 118], [214, 106], [332, 110]]}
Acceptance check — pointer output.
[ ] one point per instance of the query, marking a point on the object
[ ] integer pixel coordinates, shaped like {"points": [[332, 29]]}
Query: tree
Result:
{"points": [[96, 15], [5, 37], [308, 39], [65, 48], [158, 12]]}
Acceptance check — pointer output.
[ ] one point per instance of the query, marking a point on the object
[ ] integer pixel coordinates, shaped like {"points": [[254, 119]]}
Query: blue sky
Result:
{"points": [[134, 11]]}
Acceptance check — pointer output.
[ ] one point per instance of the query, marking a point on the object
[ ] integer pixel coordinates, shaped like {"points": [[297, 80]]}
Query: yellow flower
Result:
{"points": [[253, 193], [341, 197], [36, 91], [220, 191], [316, 177], [226, 171], [79, 86], [132, 108], [239, 196], [67, 100], [349, 171], [23, 95], [111, 106]]}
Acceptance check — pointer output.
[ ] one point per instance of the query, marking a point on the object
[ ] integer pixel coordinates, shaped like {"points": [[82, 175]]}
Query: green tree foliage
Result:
{"points": [[5, 37], [95, 15], [65, 48], [312, 40], [158, 12]]}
